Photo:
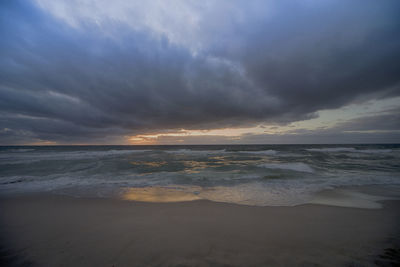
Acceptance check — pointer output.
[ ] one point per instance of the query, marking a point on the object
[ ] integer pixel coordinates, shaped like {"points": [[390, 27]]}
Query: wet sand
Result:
{"points": [[54, 230]]}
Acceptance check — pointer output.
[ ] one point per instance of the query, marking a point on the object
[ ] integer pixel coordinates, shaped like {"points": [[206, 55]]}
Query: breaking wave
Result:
{"points": [[253, 174]]}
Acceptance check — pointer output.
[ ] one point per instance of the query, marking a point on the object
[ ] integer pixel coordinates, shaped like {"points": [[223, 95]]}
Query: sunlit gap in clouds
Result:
{"points": [[178, 136], [326, 120]]}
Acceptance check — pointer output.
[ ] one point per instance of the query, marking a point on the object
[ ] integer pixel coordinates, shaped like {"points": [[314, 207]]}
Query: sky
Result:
{"points": [[199, 72]]}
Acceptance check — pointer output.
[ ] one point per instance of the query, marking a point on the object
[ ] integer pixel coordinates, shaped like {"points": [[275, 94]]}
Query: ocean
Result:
{"points": [[261, 175]]}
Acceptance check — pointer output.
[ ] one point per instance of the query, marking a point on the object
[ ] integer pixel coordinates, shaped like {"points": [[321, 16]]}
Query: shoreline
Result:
{"points": [[354, 196], [55, 230]]}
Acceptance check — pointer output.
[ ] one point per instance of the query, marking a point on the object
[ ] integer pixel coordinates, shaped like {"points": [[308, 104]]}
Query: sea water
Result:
{"points": [[243, 174]]}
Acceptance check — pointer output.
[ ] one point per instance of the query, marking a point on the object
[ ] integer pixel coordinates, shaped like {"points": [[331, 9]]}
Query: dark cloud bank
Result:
{"points": [[78, 85]]}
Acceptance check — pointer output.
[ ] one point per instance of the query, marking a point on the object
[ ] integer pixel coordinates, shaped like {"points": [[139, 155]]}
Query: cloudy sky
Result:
{"points": [[199, 72]]}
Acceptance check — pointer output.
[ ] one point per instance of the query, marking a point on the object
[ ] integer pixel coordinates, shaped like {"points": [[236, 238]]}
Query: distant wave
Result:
{"points": [[103, 152], [295, 166], [207, 152], [8, 158], [194, 152], [20, 150], [349, 149], [373, 151], [261, 152], [333, 149]]}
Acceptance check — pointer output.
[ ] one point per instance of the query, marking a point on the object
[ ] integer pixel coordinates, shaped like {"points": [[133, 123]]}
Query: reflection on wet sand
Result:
{"points": [[159, 194], [239, 194], [181, 193]]}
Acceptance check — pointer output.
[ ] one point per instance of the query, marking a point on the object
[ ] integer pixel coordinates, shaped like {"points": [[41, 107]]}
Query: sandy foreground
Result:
{"points": [[54, 230]]}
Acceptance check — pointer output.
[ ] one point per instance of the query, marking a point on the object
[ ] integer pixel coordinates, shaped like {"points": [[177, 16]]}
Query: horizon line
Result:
{"points": [[280, 144]]}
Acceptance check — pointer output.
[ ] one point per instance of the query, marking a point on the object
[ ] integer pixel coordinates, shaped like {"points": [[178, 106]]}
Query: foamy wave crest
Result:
{"points": [[295, 166]]}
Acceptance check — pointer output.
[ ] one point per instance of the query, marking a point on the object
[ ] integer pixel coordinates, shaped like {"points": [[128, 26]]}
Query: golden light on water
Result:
{"points": [[155, 164], [158, 194]]}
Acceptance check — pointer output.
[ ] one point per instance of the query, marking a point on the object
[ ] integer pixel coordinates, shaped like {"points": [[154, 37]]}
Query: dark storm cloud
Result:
{"points": [[67, 84], [324, 54]]}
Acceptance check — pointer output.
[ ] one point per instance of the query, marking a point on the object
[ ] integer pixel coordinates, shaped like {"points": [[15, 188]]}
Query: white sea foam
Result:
{"points": [[293, 166], [348, 198], [255, 193]]}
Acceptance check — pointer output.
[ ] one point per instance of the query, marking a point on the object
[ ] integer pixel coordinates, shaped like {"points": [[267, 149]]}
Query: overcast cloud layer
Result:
{"points": [[96, 71]]}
